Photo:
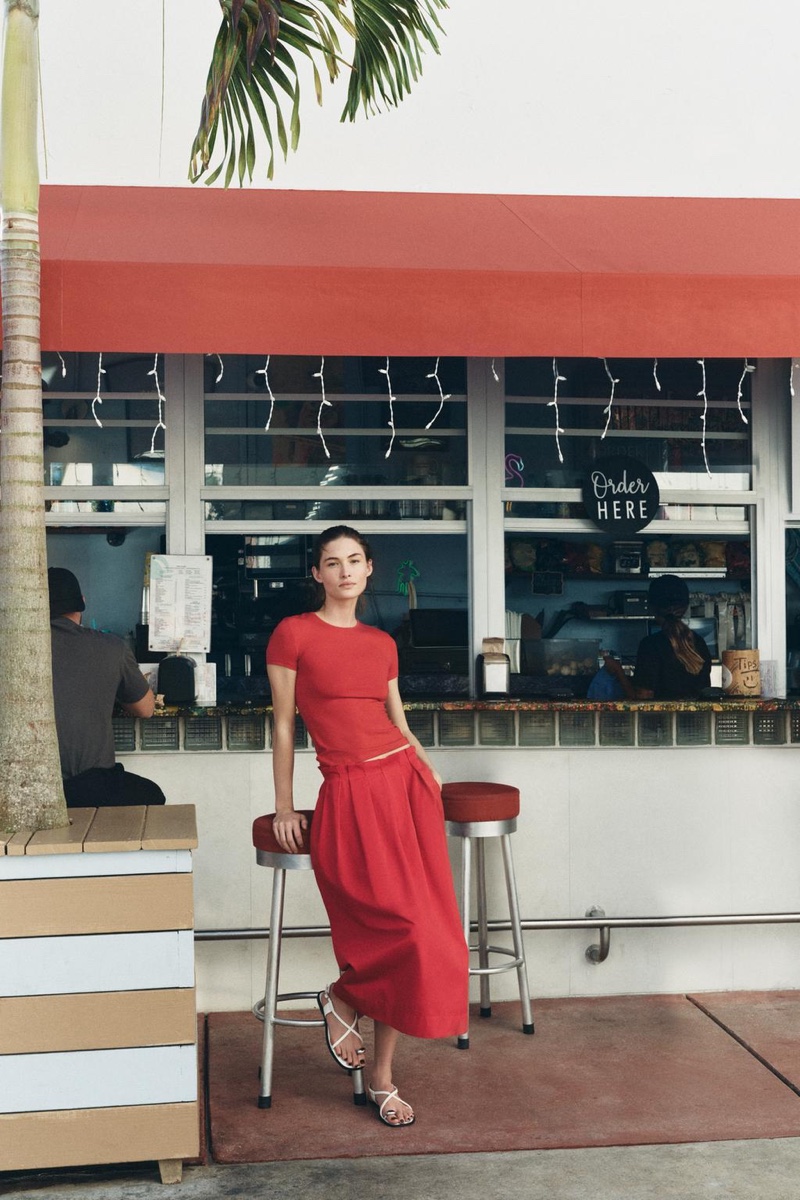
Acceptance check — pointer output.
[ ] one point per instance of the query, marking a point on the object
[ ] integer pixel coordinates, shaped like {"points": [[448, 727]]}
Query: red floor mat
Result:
{"points": [[599, 1072]]}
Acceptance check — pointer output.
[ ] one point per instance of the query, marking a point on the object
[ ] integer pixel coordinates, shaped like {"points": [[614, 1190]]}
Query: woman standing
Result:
{"points": [[674, 663], [377, 841]]}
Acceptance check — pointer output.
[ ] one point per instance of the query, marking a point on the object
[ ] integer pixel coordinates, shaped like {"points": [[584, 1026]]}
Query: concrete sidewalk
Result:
{"points": [[748, 1170]]}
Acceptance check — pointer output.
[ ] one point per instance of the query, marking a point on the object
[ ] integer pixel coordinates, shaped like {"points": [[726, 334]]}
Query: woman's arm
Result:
{"points": [[288, 825], [631, 691], [397, 715]]}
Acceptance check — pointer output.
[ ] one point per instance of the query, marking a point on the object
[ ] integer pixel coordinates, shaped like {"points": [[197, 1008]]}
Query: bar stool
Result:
{"points": [[474, 812], [270, 854]]}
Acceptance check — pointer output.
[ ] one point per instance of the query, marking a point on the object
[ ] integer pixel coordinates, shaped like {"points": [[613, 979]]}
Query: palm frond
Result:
{"points": [[390, 38], [254, 70]]}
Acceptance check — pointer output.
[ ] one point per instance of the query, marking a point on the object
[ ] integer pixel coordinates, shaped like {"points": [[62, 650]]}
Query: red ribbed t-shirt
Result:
{"points": [[342, 685]]}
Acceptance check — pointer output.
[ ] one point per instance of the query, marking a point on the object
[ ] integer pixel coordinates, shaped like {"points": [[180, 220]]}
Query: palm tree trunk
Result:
{"points": [[31, 793]]}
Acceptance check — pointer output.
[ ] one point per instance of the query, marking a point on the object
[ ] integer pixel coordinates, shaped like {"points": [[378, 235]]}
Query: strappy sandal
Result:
{"points": [[327, 1009], [379, 1109]]}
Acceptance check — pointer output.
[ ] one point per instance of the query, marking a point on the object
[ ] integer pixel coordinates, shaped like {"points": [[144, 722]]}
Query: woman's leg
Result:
{"points": [[351, 1048], [397, 1112]]}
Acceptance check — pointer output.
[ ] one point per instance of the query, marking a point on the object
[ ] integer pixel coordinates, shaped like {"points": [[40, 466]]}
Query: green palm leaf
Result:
{"points": [[254, 70]]}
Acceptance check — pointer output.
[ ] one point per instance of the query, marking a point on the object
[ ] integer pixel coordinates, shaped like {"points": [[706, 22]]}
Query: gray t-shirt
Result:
{"points": [[91, 670]]}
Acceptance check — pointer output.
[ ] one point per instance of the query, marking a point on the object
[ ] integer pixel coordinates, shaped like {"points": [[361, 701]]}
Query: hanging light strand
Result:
{"points": [[324, 403], [701, 362], [98, 398], [435, 375], [161, 402], [655, 374], [495, 376], [392, 398], [610, 405], [554, 404], [746, 370], [63, 364], [792, 369], [265, 372], [221, 368]]}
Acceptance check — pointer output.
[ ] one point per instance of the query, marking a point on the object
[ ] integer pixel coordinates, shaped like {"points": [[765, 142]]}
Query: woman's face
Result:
{"points": [[343, 569]]}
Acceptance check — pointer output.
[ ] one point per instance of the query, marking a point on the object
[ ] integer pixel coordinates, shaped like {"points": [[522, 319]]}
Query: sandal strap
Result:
{"points": [[389, 1096], [328, 1009]]}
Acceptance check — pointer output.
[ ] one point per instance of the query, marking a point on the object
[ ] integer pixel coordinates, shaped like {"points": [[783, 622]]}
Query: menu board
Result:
{"points": [[180, 602]]}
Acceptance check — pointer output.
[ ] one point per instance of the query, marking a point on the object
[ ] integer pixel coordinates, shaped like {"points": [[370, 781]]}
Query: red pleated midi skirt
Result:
{"points": [[379, 852]]}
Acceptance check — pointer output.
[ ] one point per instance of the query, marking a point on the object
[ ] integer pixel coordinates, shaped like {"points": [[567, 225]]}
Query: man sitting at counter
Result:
{"points": [[91, 672], [674, 663]]}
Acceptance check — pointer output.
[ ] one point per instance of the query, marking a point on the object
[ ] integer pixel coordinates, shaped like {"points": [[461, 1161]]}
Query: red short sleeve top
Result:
{"points": [[342, 684]]}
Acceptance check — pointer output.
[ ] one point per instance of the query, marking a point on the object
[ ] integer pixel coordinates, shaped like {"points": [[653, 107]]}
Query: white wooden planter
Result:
{"points": [[98, 1055]]}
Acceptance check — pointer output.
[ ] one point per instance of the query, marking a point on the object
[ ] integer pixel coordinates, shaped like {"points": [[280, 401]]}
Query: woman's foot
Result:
{"points": [[341, 1030], [390, 1108]]}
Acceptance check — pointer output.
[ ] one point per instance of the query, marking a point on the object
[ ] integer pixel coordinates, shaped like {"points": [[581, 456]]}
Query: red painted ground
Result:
{"points": [[598, 1072], [766, 1022]]}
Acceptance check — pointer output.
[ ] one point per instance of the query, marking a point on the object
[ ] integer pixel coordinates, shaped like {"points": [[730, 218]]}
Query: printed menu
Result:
{"points": [[180, 602]]}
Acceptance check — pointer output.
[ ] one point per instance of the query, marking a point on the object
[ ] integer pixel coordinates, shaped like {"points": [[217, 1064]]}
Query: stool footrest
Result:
{"points": [[258, 1010], [509, 966]]}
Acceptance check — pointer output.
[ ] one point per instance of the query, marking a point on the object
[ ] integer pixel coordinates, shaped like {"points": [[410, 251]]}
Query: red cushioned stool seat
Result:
{"points": [[480, 801], [476, 813], [264, 838], [270, 854]]}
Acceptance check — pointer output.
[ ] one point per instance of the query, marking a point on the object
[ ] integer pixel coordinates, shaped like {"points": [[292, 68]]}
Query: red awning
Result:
{"points": [[204, 271]]}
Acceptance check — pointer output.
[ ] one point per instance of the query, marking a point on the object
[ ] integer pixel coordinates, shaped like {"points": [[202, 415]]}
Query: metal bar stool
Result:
{"points": [[270, 854], [474, 812]]}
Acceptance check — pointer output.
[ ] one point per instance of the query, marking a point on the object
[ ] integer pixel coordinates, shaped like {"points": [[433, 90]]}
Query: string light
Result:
{"points": [[792, 369], [701, 362], [747, 370], [494, 373], [98, 398], [392, 398], [63, 364], [607, 410], [161, 402], [265, 372], [221, 368], [435, 375], [655, 374], [324, 403], [554, 404]]}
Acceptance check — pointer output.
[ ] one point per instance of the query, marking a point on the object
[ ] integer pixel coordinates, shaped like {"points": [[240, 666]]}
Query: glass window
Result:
{"points": [[268, 425], [114, 441], [656, 417]]}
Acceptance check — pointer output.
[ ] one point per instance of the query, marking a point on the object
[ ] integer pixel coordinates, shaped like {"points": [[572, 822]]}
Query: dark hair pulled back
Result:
{"points": [[332, 534]]}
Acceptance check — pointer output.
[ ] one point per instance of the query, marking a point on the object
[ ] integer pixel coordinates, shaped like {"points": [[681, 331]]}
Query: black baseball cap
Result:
{"points": [[668, 591], [65, 592]]}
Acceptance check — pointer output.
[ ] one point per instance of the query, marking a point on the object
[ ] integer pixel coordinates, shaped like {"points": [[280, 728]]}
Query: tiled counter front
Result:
{"points": [[98, 1056], [524, 723]]}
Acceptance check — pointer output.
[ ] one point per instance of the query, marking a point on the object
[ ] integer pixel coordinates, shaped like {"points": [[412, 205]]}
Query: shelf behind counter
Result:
{"points": [[504, 722]]}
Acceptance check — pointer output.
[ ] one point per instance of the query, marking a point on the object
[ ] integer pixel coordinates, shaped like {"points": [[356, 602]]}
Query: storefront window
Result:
{"points": [[574, 590], [267, 425], [418, 594], [103, 426]]}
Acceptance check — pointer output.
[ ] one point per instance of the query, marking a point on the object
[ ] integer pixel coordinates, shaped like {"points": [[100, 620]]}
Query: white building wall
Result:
{"points": [[669, 832], [566, 97]]}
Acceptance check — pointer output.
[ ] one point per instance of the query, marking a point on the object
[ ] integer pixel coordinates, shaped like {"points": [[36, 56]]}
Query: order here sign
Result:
{"points": [[620, 494]]}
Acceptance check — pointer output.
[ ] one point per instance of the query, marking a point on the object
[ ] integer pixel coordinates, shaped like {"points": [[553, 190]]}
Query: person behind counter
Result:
{"points": [[674, 663], [377, 840], [91, 672]]}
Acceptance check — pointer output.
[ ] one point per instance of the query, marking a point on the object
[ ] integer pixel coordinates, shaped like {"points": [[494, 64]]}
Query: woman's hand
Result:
{"points": [[289, 827]]}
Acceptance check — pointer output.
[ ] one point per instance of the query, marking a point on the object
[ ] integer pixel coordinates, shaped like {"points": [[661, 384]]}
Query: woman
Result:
{"points": [[377, 840], [673, 664]]}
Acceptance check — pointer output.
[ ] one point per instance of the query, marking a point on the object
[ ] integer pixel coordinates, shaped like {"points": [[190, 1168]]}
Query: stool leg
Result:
{"points": [[466, 862], [516, 929], [483, 927], [271, 988], [359, 1092]]}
